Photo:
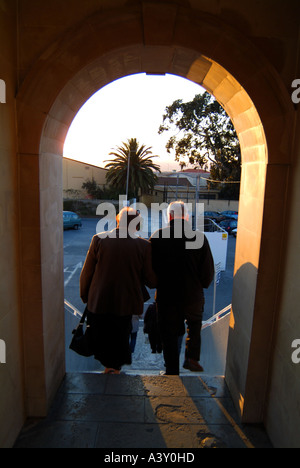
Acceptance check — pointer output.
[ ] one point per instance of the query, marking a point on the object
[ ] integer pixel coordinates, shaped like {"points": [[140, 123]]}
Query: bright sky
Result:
{"points": [[131, 107]]}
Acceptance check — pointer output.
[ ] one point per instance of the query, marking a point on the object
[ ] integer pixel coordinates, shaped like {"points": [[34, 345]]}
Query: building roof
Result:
{"points": [[85, 163], [196, 171], [172, 181]]}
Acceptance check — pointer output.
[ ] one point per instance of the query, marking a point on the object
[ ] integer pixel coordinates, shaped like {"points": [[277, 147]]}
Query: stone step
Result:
{"points": [[141, 411]]}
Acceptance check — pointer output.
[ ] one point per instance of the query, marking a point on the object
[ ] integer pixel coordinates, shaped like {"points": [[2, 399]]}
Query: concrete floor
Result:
{"points": [[141, 412]]}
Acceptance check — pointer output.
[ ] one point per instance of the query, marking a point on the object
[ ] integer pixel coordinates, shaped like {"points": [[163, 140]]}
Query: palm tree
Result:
{"points": [[136, 158]]}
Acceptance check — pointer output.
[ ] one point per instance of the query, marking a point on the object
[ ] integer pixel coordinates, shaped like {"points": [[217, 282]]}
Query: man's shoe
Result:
{"points": [[112, 371], [192, 365]]}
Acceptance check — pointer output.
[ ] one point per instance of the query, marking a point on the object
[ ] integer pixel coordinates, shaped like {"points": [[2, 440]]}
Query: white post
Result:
{"points": [[216, 282], [128, 169]]}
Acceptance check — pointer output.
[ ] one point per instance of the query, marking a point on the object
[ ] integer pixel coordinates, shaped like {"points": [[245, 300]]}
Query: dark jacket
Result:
{"points": [[114, 273], [182, 272]]}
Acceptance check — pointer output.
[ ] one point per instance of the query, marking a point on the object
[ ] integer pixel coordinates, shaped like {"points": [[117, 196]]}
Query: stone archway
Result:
{"points": [[154, 38]]}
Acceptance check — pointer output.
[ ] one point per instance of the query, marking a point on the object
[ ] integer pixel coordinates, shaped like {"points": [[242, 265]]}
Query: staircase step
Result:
{"points": [[141, 411]]}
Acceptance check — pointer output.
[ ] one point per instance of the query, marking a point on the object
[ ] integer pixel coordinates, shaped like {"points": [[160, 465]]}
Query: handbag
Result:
{"points": [[81, 342]]}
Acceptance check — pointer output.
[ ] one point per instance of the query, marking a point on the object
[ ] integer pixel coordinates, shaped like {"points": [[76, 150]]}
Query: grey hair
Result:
{"points": [[177, 210]]}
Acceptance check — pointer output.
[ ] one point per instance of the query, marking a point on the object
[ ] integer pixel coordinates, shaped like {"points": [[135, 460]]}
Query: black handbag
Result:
{"points": [[81, 342]]}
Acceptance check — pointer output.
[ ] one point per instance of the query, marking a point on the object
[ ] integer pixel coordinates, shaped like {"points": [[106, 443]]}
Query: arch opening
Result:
{"points": [[95, 121], [237, 103]]}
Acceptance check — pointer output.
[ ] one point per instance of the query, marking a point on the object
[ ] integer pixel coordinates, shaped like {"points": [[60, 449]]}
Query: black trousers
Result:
{"points": [[155, 342], [110, 339], [171, 323]]}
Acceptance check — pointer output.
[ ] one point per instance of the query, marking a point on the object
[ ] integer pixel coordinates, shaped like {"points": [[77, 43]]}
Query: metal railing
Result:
{"points": [[207, 323], [72, 309], [216, 317]]}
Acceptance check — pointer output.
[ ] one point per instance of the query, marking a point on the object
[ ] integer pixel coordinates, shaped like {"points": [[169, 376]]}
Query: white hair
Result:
{"points": [[177, 210]]}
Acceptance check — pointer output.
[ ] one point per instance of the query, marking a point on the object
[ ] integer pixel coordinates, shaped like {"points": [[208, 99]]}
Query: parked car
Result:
{"points": [[71, 220], [228, 225], [229, 214], [209, 225], [214, 215], [234, 232]]}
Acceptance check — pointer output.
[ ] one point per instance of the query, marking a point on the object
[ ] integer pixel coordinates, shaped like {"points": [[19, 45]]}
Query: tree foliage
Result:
{"points": [[141, 167], [203, 135], [96, 192], [93, 189]]}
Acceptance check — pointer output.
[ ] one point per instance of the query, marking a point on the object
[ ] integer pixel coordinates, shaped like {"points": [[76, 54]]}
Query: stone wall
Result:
{"points": [[12, 411]]}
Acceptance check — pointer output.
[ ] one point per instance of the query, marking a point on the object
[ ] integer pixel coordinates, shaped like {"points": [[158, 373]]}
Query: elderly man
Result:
{"points": [[183, 264]]}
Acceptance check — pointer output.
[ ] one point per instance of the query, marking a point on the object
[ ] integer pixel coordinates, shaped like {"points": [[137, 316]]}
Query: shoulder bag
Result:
{"points": [[81, 342]]}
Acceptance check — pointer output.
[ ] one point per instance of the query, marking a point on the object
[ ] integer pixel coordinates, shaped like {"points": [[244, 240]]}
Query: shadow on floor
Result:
{"points": [[141, 411]]}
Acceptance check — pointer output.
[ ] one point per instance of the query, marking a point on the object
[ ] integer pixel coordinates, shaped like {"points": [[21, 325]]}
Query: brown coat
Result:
{"points": [[114, 272]]}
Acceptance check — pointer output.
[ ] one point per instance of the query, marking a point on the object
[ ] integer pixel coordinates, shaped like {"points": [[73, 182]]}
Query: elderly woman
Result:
{"points": [[117, 267]]}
